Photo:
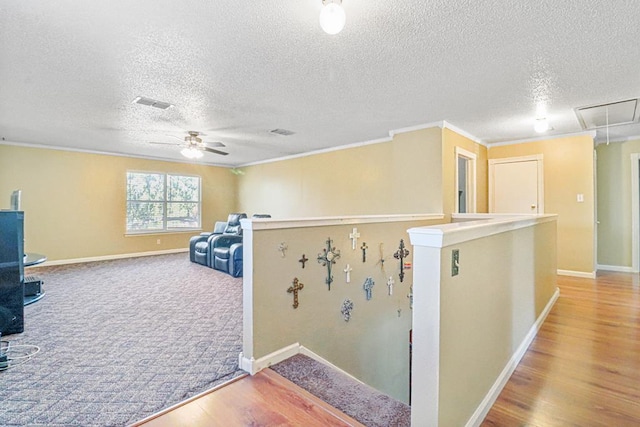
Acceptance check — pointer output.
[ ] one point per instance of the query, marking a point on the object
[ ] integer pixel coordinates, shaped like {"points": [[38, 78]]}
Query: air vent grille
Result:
{"points": [[283, 132], [611, 114], [151, 102]]}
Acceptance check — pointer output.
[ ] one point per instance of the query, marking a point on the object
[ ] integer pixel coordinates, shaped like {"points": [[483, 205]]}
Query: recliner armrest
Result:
{"points": [[192, 245]]}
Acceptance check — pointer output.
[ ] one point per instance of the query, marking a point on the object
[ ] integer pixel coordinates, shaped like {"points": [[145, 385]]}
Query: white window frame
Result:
{"points": [[165, 202]]}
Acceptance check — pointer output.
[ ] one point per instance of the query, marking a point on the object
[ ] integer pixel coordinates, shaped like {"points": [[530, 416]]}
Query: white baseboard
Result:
{"points": [[620, 268], [111, 257], [253, 366], [488, 401], [583, 274]]}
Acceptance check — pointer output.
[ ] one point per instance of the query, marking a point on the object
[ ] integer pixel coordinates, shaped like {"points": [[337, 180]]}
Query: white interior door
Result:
{"points": [[516, 186]]}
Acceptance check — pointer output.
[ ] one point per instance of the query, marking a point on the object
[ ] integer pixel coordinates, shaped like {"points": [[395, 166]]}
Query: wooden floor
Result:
{"points": [[265, 399], [583, 368]]}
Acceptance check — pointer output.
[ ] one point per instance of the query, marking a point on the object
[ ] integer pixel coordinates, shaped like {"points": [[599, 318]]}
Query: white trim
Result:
{"points": [[304, 350], [471, 180], [619, 268], [635, 208], [590, 133], [110, 257], [488, 401], [106, 153], [620, 139], [253, 366], [461, 132], [408, 129], [271, 223], [440, 236], [538, 158], [583, 274]]}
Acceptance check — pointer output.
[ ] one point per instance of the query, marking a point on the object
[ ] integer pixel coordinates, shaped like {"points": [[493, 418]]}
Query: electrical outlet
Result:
{"points": [[455, 262], [158, 242]]}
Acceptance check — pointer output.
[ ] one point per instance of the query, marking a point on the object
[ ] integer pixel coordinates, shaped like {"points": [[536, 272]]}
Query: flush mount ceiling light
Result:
{"points": [[191, 153], [332, 16], [541, 125]]}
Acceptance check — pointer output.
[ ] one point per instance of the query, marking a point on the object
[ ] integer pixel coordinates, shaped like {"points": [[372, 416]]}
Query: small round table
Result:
{"points": [[31, 259]]}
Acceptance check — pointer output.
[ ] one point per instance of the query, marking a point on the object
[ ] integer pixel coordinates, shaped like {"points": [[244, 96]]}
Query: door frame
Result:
{"points": [[635, 211], [540, 163], [471, 180]]}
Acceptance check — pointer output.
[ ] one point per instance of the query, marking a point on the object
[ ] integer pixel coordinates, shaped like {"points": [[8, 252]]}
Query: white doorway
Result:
{"points": [[635, 211], [465, 195], [516, 185]]}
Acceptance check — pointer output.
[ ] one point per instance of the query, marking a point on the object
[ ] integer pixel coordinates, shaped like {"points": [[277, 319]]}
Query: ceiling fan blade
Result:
{"points": [[216, 144], [211, 150], [164, 143]]}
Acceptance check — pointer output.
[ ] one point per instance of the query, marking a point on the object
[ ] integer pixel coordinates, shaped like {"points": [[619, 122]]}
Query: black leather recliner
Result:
{"points": [[199, 245], [225, 250]]}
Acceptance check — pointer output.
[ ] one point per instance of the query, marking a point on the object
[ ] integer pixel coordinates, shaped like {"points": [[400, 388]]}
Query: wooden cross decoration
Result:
{"points": [[354, 238], [294, 289], [390, 284], [401, 254], [327, 258], [347, 270], [364, 248], [303, 260], [368, 285]]}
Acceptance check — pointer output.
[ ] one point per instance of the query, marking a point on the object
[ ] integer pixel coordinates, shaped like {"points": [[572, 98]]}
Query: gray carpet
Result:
{"points": [[121, 340], [359, 401]]}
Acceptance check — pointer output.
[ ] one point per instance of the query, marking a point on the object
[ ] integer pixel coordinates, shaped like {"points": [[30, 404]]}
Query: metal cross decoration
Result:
{"points": [[354, 238], [347, 307], [303, 260], [401, 254], [347, 271], [327, 258], [368, 285], [282, 247], [364, 248], [390, 284], [294, 289]]}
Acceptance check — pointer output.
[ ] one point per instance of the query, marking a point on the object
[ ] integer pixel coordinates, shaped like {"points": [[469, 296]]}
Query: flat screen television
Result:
{"points": [[15, 200]]}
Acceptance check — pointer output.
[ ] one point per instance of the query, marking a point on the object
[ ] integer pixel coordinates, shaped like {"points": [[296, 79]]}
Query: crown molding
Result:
{"points": [[590, 133]]}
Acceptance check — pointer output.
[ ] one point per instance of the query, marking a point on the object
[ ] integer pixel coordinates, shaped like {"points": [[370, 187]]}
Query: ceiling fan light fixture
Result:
{"points": [[332, 16], [541, 125], [191, 153]]}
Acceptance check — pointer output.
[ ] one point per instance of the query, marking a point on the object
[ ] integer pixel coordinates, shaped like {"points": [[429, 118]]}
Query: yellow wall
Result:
{"points": [[568, 171], [451, 140], [75, 203], [614, 202], [401, 176]]}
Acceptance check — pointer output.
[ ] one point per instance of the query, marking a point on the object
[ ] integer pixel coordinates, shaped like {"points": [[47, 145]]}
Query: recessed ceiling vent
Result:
{"points": [[603, 115], [151, 102], [283, 132]]}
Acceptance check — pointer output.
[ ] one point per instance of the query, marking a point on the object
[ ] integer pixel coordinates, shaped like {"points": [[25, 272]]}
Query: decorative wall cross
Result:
{"points": [[294, 289], [347, 308], [347, 271], [354, 238], [303, 260], [401, 254], [382, 258], [364, 248], [368, 285], [390, 284], [327, 258], [282, 247]]}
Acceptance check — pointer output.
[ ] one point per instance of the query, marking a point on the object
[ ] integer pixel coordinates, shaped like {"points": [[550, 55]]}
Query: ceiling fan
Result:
{"points": [[194, 147]]}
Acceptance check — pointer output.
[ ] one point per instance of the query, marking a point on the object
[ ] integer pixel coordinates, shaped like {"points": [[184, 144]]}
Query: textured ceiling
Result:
{"points": [[237, 69]]}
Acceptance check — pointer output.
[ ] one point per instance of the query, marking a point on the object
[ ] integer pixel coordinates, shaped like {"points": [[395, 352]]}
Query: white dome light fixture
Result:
{"points": [[541, 125], [332, 16], [191, 153]]}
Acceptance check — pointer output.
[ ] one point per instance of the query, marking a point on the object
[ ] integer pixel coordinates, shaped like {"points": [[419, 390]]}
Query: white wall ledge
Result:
{"points": [[481, 225], [272, 223]]}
